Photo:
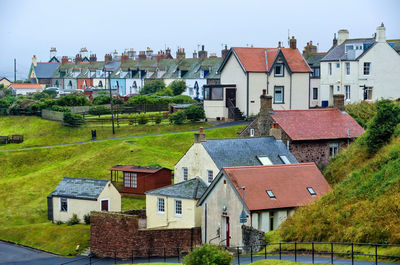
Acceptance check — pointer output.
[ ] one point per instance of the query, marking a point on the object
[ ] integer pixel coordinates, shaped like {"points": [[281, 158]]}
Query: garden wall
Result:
{"points": [[52, 115]]}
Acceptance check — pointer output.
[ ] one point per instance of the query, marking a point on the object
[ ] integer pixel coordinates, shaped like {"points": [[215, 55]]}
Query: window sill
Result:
{"points": [[279, 102], [178, 215], [160, 212], [213, 100]]}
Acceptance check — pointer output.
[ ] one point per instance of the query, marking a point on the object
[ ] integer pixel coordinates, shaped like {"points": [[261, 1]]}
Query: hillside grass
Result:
{"points": [[39, 132], [27, 177]]}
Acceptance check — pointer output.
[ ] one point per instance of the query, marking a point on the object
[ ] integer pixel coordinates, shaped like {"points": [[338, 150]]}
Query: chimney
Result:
{"points": [[124, 58], [334, 42], [168, 54], [180, 54], [53, 52], [202, 53], [381, 33], [78, 58], [93, 58], [64, 59], [142, 55], [115, 54], [107, 58], [149, 53], [279, 45], [293, 43], [265, 103], [224, 52], [194, 54], [160, 56], [200, 136], [343, 35], [131, 54], [338, 101], [34, 60]]}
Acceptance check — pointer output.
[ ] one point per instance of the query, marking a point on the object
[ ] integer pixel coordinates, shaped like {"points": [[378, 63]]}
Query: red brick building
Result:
{"points": [[138, 180]]}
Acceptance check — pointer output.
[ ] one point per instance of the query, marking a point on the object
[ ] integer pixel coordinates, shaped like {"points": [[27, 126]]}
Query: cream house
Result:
{"points": [[361, 69], [4, 81], [264, 195], [205, 158], [247, 71], [174, 206], [80, 196]]}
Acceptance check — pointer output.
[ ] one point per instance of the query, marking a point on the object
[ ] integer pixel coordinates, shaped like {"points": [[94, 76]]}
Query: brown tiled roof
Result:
{"points": [[317, 124], [138, 169], [27, 86], [288, 183], [261, 59]]}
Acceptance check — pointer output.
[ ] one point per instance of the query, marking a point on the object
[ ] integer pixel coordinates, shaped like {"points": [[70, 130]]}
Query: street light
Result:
{"points": [[109, 70], [243, 216]]}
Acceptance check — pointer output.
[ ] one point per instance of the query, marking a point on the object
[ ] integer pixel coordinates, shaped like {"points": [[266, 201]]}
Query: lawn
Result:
{"points": [[39, 132], [27, 177]]}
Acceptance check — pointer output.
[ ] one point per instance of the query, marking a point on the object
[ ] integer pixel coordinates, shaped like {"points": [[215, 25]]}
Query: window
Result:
{"points": [[264, 160], [100, 84], [315, 93], [210, 176], [315, 72], [251, 132], [160, 205], [347, 90], [278, 95], [347, 68], [368, 93], [311, 191], [278, 70], [333, 149], [63, 204], [130, 180], [330, 68], [285, 160], [270, 194], [349, 47], [338, 65], [271, 221], [214, 93], [185, 173], [178, 207], [367, 67]]}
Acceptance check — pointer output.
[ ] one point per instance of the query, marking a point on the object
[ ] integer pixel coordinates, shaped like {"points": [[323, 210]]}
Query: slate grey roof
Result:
{"points": [[45, 70], [314, 59], [244, 151], [338, 52], [189, 189], [79, 188]]}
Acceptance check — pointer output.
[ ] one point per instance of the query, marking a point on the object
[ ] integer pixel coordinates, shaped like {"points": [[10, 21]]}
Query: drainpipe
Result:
{"points": [[205, 222], [309, 91], [290, 101], [248, 96]]}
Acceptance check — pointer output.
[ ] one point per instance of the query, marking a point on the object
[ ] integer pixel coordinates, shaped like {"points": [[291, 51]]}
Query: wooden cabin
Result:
{"points": [[137, 179]]}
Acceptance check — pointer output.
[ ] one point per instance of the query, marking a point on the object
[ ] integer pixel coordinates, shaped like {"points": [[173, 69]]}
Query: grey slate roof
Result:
{"points": [[314, 59], [338, 52], [190, 189], [244, 151], [45, 70], [79, 188]]}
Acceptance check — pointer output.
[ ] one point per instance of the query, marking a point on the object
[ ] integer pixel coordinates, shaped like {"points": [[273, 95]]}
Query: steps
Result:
{"points": [[237, 114]]}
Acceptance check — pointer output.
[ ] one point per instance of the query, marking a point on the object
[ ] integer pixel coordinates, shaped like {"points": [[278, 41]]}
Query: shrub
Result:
{"points": [[362, 112], [165, 92], [73, 100], [177, 118], [182, 99], [207, 255], [101, 100], [7, 101], [73, 120], [50, 93], [152, 87], [99, 110], [86, 218], [158, 118], [195, 113], [60, 108], [178, 87], [73, 220], [117, 101], [142, 118]]}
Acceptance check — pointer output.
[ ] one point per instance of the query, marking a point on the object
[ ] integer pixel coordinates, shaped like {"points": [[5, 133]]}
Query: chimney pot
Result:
{"points": [[338, 101], [293, 43], [265, 103], [264, 92]]}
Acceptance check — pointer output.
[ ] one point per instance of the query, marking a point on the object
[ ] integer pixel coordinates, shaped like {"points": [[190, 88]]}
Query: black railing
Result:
{"points": [[282, 250]]}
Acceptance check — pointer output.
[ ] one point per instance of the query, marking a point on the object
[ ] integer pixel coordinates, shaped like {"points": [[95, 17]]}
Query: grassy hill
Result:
{"points": [[27, 177]]}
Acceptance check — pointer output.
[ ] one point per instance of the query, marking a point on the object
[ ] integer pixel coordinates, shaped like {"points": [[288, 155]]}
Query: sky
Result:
{"points": [[32, 27]]}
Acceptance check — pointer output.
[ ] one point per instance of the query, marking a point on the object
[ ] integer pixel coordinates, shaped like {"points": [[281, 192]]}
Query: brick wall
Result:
{"points": [[111, 232]]}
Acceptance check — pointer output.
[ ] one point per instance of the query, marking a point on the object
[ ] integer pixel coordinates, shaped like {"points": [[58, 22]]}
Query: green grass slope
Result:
{"points": [[27, 177], [364, 205]]}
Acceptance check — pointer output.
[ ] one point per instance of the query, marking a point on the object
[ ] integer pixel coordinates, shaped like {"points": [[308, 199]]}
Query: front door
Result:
{"points": [[104, 205], [227, 231], [230, 97]]}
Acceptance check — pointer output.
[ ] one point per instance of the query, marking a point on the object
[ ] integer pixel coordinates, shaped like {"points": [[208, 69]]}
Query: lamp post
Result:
{"points": [[243, 216], [109, 71]]}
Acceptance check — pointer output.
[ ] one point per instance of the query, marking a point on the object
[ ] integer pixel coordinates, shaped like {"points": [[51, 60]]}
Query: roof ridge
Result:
{"points": [[85, 178], [272, 166], [292, 110]]}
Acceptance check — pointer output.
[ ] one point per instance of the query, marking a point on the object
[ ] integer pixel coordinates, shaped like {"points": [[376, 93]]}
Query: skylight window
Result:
{"points": [[285, 160], [270, 194], [311, 191], [265, 160]]}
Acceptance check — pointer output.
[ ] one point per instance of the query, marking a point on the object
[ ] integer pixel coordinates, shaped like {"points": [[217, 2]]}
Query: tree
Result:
{"points": [[74, 99], [178, 87], [99, 110], [195, 113], [177, 118], [152, 87], [101, 100], [73, 120]]}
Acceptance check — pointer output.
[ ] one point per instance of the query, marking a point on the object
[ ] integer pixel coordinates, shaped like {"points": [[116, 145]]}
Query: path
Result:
{"points": [[222, 125]]}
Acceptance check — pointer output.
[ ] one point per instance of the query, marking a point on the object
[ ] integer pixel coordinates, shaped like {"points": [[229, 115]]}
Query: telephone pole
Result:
{"points": [[15, 70]]}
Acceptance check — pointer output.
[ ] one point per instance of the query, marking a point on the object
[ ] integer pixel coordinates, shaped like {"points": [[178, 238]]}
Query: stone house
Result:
{"points": [[174, 206], [205, 158], [361, 69], [261, 197], [80, 196], [313, 135]]}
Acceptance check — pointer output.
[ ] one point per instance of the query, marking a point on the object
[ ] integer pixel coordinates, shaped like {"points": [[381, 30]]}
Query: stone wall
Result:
{"points": [[253, 239], [110, 232], [52, 115]]}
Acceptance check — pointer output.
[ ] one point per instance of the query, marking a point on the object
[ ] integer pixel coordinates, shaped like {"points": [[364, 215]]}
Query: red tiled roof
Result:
{"points": [[289, 184], [256, 59], [317, 124], [139, 169], [26, 86]]}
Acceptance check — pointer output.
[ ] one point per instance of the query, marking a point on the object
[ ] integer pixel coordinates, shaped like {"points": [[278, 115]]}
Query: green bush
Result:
{"points": [[195, 113], [178, 87], [7, 101], [99, 110], [158, 118], [60, 108], [152, 87], [86, 218], [73, 120], [74, 99], [117, 101], [182, 99], [101, 100], [147, 100], [362, 112], [142, 118], [165, 92], [208, 255], [74, 220], [177, 118], [50, 93]]}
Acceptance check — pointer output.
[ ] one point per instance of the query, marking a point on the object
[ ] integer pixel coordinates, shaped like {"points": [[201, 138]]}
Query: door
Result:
{"points": [[230, 97], [104, 205], [227, 231]]}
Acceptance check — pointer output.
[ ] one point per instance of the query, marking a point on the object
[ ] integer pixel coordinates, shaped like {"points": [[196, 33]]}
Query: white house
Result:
{"points": [[80, 196], [361, 69], [247, 71], [26, 88]]}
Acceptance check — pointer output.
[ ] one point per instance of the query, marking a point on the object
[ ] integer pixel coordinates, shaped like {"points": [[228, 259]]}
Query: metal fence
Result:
{"points": [[327, 253]]}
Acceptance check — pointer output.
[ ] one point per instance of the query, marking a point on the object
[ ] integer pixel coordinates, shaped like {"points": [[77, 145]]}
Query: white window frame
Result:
{"points": [[108, 203], [185, 173], [315, 93], [132, 180], [369, 93], [311, 191], [330, 68], [283, 94], [61, 198], [270, 194], [176, 208], [282, 69], [160, 205], [333, 149], [367, 66], [210, 176], [347, 90], [285, 160], [347, 68], [264, 160], [251, 132]]}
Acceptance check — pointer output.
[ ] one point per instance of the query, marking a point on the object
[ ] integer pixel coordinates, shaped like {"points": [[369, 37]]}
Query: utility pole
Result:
{"points": [[15, 70], [111, 103]]}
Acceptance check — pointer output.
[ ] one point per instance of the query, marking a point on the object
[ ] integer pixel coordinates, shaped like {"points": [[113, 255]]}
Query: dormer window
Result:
{"points": [[278, 70], [270, 194], [311, 191]]}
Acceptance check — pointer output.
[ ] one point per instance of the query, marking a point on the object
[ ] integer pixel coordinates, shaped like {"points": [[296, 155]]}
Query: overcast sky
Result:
{"points": [[32, 27]]}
